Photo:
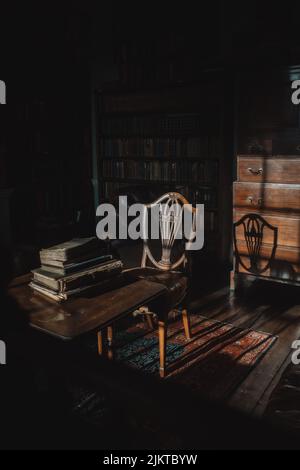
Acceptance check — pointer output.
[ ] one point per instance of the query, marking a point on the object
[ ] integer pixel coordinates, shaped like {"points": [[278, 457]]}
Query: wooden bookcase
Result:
{"points": [[171, 138]]}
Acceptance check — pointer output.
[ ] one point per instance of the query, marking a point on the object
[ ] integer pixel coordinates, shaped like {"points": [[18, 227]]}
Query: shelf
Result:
{"points": [[161, 159], [153, 135], [202, 185]]}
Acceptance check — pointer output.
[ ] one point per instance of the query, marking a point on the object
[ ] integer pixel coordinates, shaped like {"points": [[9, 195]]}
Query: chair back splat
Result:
{"points": [[170, 212]]}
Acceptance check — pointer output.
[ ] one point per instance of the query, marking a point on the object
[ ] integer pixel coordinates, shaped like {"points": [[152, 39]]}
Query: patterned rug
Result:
{"points": [[214, 362]]}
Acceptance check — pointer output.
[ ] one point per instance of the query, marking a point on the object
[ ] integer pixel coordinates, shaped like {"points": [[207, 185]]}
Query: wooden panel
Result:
{"points": [[270, 105], [288, 229], [259, 169], [267, 197]]}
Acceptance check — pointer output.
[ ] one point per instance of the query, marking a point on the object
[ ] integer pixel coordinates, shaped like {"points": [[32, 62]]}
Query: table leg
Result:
{"points": [[162, 337]]}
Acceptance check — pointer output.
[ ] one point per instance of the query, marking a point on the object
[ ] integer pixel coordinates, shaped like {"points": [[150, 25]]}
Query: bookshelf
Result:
{"points": [[170, 138]]}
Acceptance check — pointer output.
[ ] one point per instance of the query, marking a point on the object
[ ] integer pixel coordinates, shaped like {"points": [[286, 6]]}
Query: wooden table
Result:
{"points": [[89, 312]]}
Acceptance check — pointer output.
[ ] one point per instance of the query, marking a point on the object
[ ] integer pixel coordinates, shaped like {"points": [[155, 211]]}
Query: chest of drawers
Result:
{"points": [[266, 215]]}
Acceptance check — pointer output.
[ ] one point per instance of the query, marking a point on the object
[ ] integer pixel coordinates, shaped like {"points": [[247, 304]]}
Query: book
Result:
{"points": [[63, 296], [91, 276], [45, 291], [65, 267], [70, 249]]}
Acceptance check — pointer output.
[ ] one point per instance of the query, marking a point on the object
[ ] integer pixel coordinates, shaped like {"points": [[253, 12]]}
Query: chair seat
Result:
{"points": [[175, 282]]}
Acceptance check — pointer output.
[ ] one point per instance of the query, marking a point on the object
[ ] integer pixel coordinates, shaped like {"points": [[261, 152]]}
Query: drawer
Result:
{"points": [[283, 254], [285, 266], [267, 197], [258, 169], [288, 230]]}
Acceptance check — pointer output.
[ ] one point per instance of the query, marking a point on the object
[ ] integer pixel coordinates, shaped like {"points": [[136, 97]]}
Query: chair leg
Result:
{"points": [[147, 317], [100, 342], [149, 320], [186, 323], [110, 340], [162, 336]]}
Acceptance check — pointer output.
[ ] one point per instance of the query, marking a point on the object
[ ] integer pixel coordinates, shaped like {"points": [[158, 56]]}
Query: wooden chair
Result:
{"points": [[165, 271]]}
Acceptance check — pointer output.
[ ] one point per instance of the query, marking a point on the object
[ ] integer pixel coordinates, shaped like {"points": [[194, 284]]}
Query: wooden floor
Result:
{"points": [[267, 307]]}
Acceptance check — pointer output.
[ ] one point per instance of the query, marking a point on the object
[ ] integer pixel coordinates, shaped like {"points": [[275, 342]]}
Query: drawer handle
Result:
{"points": [[260, 201], [256, 172]]}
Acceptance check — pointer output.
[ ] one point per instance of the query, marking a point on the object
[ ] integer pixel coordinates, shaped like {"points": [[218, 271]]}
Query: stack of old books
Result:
{"points": [[74, 267]]}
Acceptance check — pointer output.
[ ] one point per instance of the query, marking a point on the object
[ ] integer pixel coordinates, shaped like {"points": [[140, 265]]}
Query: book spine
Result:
{"points": [[106, 272]]}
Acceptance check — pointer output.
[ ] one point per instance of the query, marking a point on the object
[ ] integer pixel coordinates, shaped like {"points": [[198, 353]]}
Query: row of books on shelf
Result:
{"points": [[195, 195], [174, 147], [73, 267], [196, 171], [152, 125]]}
